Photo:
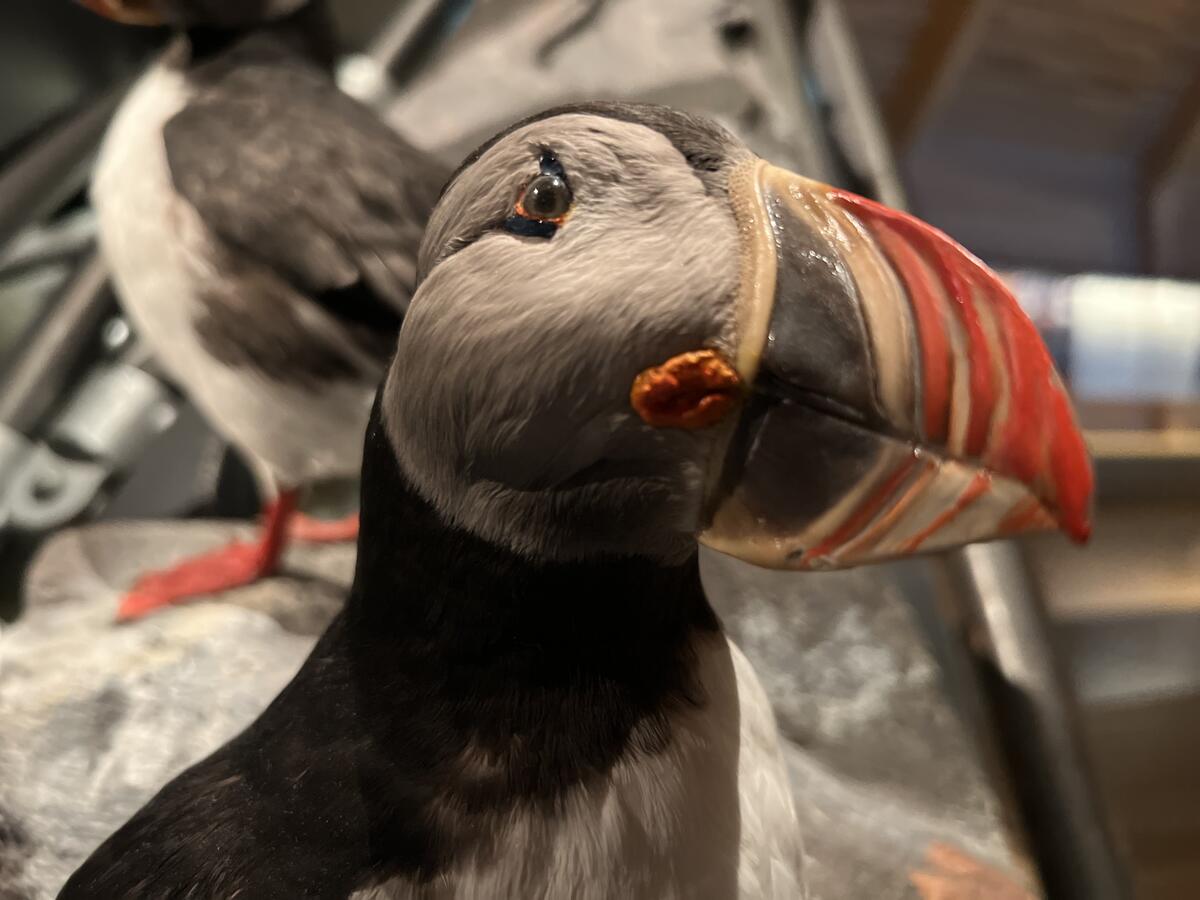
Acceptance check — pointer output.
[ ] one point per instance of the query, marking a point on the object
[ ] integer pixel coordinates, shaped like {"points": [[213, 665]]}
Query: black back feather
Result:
{"points": [[304, 184]]}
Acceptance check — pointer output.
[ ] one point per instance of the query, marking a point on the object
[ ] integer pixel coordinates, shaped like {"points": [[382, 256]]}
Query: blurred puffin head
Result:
{"points": [[631, 332], [195, 13]]}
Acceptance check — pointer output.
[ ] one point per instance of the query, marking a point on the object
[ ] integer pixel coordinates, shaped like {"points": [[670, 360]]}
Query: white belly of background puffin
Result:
{"points": [[710, 816], [163, 258]]}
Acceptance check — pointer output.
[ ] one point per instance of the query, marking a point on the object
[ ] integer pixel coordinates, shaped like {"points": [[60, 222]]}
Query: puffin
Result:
{"points": [[261, 228], [631, 336]]}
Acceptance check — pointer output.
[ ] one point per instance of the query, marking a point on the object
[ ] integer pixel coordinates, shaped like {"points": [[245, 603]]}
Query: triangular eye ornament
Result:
{"points": [[544, 202]]}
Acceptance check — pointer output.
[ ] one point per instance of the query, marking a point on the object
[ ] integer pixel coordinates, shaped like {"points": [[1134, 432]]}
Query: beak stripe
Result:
{"points": [[980, 485], [1037, 442], [991, 331], [905, 381], [931, 331], [1027, 515], [914, 250], [862, 516], [884, 523], [1017, 448], [983, 390], [885, 309], [1074, 483], [960, 390]]}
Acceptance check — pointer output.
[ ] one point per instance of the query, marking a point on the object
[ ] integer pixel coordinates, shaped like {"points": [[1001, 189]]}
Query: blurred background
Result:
{"points": [[1058, 139]]}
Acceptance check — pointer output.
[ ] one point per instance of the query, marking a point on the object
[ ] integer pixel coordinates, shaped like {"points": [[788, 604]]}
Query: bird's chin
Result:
{"points": [[898, 399]]}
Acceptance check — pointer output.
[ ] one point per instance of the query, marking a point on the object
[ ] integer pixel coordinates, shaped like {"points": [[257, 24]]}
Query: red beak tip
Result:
{"points": [[1075, 524]]}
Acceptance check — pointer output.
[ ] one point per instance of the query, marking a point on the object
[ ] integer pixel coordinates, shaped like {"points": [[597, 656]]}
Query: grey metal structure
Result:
{"points": [[1030, 715], [414, 35]]}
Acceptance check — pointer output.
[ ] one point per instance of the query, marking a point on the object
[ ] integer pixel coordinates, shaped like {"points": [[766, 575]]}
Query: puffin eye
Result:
{"points": [[546, 199], [544, 203]]}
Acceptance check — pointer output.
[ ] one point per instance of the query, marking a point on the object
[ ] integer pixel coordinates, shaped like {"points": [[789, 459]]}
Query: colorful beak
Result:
{"points": [[900, 399], [127, 12]]}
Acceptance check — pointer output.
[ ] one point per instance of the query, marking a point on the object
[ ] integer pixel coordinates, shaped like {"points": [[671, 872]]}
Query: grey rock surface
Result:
{"points": [[880, 765], [96, 717]]}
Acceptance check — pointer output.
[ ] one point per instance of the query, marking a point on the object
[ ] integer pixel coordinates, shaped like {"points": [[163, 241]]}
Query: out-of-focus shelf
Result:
{"points": [[1167, 444], [1143, 752], [1143, 558], [1144, 555], [1146, 468]]}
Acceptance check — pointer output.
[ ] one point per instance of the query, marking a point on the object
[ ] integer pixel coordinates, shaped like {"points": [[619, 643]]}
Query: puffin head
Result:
{"points": [[195, 13], [630, 332]]}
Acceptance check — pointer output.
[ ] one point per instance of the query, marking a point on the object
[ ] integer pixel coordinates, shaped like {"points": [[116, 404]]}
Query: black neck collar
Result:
{"points": [[416, 571], [555, 671]]}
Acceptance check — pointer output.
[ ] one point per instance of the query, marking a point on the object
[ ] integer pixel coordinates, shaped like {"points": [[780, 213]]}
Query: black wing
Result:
{"points": [[296, 176]]}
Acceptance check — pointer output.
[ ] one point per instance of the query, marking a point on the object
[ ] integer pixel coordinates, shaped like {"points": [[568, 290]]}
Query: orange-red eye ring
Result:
{"points": [[520, 209]]}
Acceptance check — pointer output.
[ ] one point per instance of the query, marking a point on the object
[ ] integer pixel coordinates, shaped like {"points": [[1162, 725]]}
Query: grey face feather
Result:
{"points": [[508, 400], [706, 146]]}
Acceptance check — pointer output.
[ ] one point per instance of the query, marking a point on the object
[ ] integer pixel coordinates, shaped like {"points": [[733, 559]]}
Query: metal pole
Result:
{"points": [[406, 43], [36, 378], [833, 42], [48, 245], [783, 24], [53, 167], [1034, 723]]}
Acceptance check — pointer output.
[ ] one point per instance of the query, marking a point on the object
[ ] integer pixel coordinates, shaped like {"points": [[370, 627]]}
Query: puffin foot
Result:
{"points": [[235, 565], [324, 531]]}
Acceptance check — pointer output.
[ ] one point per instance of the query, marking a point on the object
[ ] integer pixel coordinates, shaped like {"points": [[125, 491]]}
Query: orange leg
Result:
{"points": [[320, 531], [234, 565]]}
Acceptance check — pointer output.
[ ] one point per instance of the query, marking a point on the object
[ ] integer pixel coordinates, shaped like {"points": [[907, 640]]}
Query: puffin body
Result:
{"points": [[261, 228], [477, 725], [630, 334], [171, 270]]}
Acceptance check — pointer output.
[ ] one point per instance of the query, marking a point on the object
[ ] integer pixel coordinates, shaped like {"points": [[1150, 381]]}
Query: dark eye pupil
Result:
{"points": [[547, 197]]}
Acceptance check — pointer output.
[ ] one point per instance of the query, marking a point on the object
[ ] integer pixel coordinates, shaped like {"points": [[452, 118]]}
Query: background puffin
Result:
{"points": [[629, 333], [262, 230]]}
